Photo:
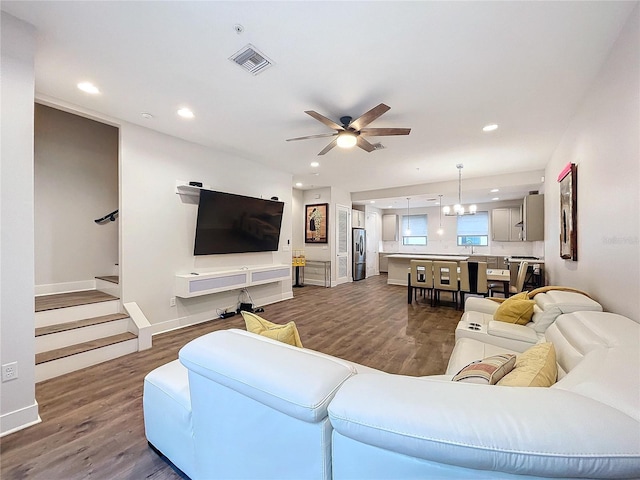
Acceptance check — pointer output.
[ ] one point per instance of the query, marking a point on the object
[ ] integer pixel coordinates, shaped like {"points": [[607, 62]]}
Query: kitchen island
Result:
{"points": [[399, 264]]}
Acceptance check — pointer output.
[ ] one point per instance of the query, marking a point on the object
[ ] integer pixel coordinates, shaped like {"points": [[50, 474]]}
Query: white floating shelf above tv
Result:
{"points": [[205, 283], [183, 188]]}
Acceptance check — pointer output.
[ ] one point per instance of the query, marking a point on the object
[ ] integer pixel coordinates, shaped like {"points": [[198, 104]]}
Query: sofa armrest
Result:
{"points": [[527, 431], [292, 380], [512, 331], [482, 305]]}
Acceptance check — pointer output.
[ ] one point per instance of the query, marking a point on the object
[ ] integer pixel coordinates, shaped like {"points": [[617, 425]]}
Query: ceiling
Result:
{"points": [[446, 69]]}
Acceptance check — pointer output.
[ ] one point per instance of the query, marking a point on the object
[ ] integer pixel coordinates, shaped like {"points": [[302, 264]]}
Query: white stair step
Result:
{"points": [[71, 333], [69, 314], [47, 367], [105, 285]]}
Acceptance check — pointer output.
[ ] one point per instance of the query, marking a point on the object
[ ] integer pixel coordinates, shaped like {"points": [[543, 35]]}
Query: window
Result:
{"points": [[473, 229], [417, 224]]}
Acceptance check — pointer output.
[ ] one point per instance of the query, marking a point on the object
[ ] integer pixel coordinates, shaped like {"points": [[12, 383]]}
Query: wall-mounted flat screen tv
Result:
{"points": [[229, 223]]}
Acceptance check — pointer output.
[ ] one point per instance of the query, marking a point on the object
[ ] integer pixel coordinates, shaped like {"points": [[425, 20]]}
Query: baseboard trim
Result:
{"points": [[53, 288], [190, 320], [19, 419]]}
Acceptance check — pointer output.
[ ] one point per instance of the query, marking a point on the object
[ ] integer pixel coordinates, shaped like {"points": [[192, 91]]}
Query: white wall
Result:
{"points": [[603, 140], [317, 251], [158, 225], [297, 222], [76, 181], [18, 407]]}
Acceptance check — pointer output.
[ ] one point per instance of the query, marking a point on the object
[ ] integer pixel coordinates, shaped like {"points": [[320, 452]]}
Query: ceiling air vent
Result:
{"points": [[251, 59]]}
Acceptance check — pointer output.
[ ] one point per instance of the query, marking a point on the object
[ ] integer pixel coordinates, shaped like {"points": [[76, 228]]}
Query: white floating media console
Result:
{"points": [[193, 285]]}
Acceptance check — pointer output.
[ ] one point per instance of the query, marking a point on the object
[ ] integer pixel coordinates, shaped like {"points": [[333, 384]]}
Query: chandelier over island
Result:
{"points": [[458, 208]]}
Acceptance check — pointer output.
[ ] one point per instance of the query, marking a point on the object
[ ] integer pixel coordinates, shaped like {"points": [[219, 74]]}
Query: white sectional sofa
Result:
{"points": [[477, 321], [238, 405]]}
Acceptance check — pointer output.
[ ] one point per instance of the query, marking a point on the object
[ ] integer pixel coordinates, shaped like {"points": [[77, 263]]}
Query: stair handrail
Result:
{"points": [[109, 216]]}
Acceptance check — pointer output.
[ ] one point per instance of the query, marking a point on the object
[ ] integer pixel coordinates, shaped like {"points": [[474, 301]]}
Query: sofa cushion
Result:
{"points": [[534, 368], [517, 309], [287, 333], [556, 302], [486, 371]]}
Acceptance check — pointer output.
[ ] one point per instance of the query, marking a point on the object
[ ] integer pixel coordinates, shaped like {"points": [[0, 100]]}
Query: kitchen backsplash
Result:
{"points": [[443, 246]]}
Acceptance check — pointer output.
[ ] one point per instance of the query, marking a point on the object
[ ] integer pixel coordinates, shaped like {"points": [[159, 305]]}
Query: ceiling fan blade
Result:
{"points": [[329, 147], [322, 135], [368, 117], [323, 119], [381, 132], [363, 144]]}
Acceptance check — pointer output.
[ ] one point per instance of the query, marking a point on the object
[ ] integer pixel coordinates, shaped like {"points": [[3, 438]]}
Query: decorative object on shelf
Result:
{"points": [[440, 230], [458, 208], [568, 180], [316, 221], [299, 261]]}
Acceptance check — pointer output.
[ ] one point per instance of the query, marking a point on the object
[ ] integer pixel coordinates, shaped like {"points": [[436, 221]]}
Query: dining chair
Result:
{"points": [[421, 277], [445, 279], [473, 279], [513, 289]]}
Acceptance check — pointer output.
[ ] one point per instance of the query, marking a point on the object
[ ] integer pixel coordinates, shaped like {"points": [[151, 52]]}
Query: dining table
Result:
{"points": [[493, 275]]}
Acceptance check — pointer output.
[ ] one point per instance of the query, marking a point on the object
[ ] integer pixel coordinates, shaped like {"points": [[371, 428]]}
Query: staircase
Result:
{"points": [[75, 330]]}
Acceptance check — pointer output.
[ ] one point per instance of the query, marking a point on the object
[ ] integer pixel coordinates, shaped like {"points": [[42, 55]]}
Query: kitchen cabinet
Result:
{"points": [[503, 224], [389, 228], [357, 219], [492, 261], [533, 218]]}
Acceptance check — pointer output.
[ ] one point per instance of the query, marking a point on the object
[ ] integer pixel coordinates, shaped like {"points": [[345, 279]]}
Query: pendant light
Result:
{"points": [[440, 230], [408, 230], [458, 208]]}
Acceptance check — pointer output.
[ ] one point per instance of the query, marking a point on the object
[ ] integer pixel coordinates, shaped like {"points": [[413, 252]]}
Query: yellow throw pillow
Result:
{"points": [[536, 367], [517, 309], [284, 333]]}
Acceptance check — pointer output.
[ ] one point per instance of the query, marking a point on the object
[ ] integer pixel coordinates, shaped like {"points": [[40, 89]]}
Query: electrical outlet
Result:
{"points": [[172, 302], [9, 371]]}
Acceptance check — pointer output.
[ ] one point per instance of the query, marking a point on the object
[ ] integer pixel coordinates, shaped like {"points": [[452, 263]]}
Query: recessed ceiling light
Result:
{"points": [[185, 113], [315, 164], [389, 206], [298, 184], [494, 190], [146, 115], [495, 198], [88, 87], [372, 201], [490, 128]]}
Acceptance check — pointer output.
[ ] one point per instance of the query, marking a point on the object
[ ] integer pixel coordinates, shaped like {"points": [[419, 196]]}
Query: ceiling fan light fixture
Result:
{"points": [[347, 140]]}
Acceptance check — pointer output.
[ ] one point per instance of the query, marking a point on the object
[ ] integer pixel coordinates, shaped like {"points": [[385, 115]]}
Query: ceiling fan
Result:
{"points": [[352, 132]]}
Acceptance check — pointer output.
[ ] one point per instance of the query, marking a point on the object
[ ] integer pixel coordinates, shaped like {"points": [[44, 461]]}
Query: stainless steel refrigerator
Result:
{"points": [[359, 254]]}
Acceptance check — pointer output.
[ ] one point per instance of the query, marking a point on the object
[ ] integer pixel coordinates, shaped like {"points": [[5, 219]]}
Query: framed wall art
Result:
{"points": [[568, 180], [316, 222]]}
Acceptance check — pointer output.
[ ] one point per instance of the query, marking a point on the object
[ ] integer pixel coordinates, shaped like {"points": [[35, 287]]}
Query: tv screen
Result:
{"points": [[229, 223]]}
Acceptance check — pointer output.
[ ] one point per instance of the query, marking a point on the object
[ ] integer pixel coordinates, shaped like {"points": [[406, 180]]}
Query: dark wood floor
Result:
{"points": [[92, 419]]}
